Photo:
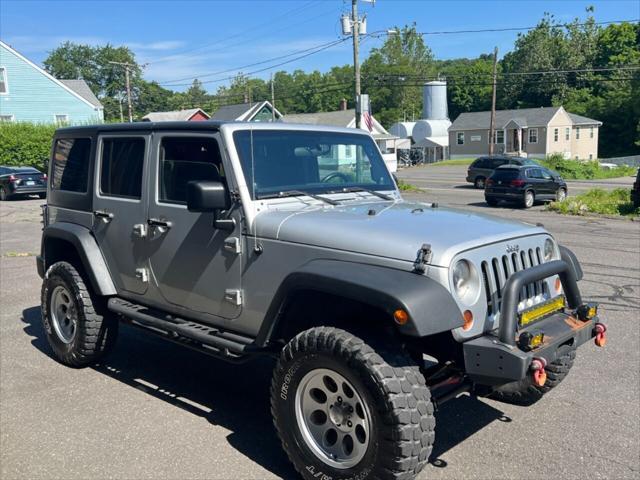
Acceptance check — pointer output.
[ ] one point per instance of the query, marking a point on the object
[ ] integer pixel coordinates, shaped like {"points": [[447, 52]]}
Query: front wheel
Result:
{"points": [[561, 195], [342, 411], [3, 194]]}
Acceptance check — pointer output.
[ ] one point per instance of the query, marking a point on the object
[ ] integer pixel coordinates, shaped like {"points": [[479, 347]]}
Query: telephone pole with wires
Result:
{"points": [[492, 121], [127, 68], [273, 101], [355, 26]]}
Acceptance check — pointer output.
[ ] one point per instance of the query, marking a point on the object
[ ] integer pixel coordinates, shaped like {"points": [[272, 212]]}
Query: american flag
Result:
{"points": [[367, 119]]}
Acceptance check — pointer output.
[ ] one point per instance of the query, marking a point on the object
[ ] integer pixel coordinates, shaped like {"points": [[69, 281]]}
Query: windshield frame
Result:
{"points": [[355, 137]]}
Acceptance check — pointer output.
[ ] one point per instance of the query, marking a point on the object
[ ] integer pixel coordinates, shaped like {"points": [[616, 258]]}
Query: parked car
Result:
{"points": [[19, 181], [635, 191], [524, 185], [483, 167], [235, 240]]}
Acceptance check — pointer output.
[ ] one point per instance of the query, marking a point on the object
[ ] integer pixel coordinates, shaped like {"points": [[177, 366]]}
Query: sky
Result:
{"points": [[183, 40]]}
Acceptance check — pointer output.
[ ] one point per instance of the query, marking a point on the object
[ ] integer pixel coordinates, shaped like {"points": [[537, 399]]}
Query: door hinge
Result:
{"points": [[140, 230], [233, 296], [142, 274], [232, 244]]}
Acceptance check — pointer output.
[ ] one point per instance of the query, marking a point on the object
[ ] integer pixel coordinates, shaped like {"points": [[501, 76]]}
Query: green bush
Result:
{"points": [[579, 170], [598, 200], [25, 144]]}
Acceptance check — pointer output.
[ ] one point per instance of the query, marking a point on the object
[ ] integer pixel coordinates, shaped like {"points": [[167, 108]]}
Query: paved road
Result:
{"points": [[154, 410]]}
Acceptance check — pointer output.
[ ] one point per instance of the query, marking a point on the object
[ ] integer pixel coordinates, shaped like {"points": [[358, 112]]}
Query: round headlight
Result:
{"points": [[549, 250], [466, 282]]}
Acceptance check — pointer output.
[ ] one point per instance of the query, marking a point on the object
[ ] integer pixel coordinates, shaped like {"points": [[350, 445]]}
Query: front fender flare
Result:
{"points": [[88, 250], [430, 306]]}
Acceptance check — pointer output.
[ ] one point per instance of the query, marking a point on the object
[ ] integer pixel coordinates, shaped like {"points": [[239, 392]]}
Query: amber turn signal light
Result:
{"points": [[558, 285], [400, 316], [467, 317]]}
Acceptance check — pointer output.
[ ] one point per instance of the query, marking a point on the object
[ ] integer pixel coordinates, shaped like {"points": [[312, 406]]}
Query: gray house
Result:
{"points": [[247, 112], [531, 132]]}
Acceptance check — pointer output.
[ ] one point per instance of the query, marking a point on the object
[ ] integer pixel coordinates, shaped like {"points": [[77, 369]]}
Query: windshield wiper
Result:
{"points": [[384, 196], [298, 193]]}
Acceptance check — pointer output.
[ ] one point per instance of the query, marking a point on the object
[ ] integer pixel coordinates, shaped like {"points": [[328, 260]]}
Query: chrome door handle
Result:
{"points": [[161, 225], [103, 215]]}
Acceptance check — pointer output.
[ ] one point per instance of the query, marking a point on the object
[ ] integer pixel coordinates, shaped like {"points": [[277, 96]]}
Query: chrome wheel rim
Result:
{"points": [[480, 182], [64, 316], [528, 199], [561, 195], [334, 421]]}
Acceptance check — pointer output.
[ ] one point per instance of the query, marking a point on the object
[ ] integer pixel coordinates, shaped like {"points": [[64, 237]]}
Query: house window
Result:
{"points": [[4, 86], [498, 136], [567, 134], [590, 132], [6, 118], [460, 138], [533, 135], [577, 133], [61, 118], [591, 156], [556, 134]]}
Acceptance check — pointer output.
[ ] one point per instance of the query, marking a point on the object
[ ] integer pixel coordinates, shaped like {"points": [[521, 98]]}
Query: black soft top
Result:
{"points": [[88, 130]]}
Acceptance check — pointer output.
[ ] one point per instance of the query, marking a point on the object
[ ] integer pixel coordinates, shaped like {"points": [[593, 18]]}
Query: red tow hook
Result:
{"points": [[539, 373], [601, 334]]}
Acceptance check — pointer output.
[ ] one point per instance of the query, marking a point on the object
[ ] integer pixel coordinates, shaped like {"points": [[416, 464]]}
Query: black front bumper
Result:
{"points": [[497, 359]]}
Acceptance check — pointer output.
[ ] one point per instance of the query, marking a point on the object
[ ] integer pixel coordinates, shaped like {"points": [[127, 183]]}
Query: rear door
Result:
{"points": [[534, 178], [550, 185], [120, 204]]}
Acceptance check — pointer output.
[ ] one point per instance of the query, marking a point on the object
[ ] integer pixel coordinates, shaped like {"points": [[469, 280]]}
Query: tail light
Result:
{"points": [[518, 182], [489, 182], [44, 176], [13, 178]]}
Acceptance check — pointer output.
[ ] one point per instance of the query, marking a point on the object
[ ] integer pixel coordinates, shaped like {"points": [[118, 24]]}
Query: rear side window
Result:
{"points": [[480, 163], [121, 170], [496, 162], [183, 159], [71, 164], [505, 174]]}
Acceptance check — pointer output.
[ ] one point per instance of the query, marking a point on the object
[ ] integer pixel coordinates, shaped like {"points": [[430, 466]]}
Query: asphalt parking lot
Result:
{"points": [[154, 410]]}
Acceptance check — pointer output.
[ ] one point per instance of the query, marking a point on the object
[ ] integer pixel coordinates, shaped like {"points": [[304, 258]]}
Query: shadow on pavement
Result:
{"points": [[236, 397]]}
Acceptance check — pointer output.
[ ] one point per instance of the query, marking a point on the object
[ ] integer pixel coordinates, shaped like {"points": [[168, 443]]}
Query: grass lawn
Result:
{"points": [[407, 187], [598, 200], [458, 161]]}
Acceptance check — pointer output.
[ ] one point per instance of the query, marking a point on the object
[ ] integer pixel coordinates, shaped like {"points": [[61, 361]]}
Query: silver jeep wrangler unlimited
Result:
{"points": [[244, 241]]}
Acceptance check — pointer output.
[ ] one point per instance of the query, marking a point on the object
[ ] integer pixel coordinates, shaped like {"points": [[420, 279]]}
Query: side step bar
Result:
{"points": [[212, 341]]}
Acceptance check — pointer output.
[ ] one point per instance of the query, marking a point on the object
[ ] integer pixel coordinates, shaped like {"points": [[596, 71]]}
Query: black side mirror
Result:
{"points": [[205, 196]]}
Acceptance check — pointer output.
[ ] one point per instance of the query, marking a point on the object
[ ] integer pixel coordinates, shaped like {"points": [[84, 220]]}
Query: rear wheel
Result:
{"points": [[479, 182], [525, 392], [42, 195], [492, 202], [343, 411], [78, 327], [528, 199]]}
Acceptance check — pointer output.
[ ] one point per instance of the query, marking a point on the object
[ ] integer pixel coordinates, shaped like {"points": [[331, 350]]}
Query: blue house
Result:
{"points": [[29, 94]]}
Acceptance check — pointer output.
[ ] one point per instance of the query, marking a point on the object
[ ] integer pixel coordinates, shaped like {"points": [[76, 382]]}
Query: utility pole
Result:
{"points": [[492, 123], [356, 53], [127, 67], [273, 101], [120, 104]]}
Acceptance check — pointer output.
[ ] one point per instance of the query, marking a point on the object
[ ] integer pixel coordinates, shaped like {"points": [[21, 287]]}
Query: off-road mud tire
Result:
{"points": [[402, 419], [96, 329]]}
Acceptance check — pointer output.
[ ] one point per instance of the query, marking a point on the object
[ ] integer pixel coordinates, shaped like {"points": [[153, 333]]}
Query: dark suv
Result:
{"points": [[483, 167], [635, 191], [525, 185]]}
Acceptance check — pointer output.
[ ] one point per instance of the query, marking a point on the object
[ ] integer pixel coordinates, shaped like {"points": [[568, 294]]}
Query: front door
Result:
{"points": [[193, 265], [119, 204]]}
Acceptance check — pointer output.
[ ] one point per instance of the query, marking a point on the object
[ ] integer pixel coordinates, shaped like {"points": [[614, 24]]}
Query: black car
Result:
{"points": [[635, 191], [524, 185], [17, 181], [483, 167]]}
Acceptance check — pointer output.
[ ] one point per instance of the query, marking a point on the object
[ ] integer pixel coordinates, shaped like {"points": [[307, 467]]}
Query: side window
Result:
{"points": [[183, 159], [546, 175], [121, 168], [71, 164], [496, 162]]}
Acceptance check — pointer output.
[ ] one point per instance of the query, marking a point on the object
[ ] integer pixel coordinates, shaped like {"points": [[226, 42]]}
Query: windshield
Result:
{"points": [[315, 162]]}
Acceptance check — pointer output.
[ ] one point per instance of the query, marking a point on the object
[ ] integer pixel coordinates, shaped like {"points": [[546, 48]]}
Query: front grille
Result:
{"points": [[497, 270]]}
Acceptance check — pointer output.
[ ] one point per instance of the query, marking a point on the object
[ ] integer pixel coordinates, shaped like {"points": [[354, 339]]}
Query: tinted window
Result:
{"points": [[481, 163], [505, 174], [496, 162], [121, 171], [275, 161], [534, 173], [183, 159], [71, 164]]}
